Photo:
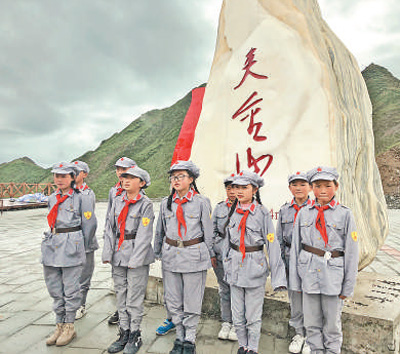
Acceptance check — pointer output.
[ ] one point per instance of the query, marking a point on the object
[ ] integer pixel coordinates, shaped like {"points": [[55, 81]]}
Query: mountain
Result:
{"points": [[23, 170]]}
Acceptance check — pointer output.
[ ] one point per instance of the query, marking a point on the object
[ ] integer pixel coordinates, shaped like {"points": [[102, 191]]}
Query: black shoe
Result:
{"points": [[114, 319], [189, 348], [241, 350], [120, 343], [134, 343], [251, 352], [178, 347]]}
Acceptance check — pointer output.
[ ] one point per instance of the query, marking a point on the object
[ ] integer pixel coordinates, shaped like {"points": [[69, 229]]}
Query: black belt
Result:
{"points": [[247, 248], [322, 253], [181, 244], [66, 229], [128, 236]]}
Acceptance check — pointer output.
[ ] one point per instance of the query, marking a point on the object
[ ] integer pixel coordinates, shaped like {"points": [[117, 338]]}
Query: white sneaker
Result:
{"points": [[80, 313], [232, 334], [296, 344], [224, 332], [306, 349]]}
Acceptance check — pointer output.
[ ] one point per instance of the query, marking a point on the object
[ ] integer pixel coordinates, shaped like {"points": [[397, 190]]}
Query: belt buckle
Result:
{"points": [[327, 255], [180, 244]]}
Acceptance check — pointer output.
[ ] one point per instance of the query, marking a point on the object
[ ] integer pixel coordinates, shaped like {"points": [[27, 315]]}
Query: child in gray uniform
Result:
{"points": [[121, 165], [183, 241], [63, 251], [219, 218], [127, 246], [82, 171], [249, 228], [300, 188], [324, 261]]}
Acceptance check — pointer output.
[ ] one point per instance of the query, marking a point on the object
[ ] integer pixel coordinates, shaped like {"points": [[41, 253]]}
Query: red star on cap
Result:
{"points": [[232, 175], [319, 169], [122, 159], [60, 165], [297, 173], [76, 162], [241, 174]]}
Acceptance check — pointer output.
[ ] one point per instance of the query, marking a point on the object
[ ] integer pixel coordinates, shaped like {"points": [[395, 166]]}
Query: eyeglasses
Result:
{"points": [[177, 178]]}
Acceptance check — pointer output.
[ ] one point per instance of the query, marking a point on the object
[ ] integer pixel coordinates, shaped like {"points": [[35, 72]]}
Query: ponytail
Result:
{"points": [[231, 211], [258, 198], [169, 202], [195, 187], [73, 186]]}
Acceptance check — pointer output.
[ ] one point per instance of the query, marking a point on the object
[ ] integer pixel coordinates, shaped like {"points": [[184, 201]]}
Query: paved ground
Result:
{"points": [[26, 318]]}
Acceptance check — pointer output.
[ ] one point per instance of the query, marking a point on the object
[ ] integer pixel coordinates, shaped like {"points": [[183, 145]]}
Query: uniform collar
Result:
{"points": [[332, 204], [307, 202], [252, 207], [71, 191], [189, 195], [125, 195]]}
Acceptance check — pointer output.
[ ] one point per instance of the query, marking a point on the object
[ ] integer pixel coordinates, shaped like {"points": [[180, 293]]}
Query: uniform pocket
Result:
{"points": [[74, 245]]}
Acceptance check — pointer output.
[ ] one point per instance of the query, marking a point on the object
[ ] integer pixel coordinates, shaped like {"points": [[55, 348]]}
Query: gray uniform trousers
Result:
{"points": [[63, 286], [247, 306], [86, 276], [130, 287], [169, 315], [224, 291], [184, 296], [322, 322], [296, 312]]}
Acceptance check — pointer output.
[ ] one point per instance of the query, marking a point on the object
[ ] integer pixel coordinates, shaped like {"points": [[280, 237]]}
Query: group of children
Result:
{"points": [[313, 254]]}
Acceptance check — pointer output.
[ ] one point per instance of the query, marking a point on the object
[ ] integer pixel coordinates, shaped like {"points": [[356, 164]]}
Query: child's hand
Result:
{"points": [[106, 262], [342, 297], [280, 288], [214, 262]]}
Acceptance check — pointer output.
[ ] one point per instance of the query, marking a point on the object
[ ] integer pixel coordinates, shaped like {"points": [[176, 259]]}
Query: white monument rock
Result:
{"points": [[285, 95]]}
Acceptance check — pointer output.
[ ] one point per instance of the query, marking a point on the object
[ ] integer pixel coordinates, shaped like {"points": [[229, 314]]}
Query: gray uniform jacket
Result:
{"points": [[132, 253], [284, 228], [111, 196], [219, 218], [197, 214], [90, 225], [314, 274], [68, 249], [253, 271]]}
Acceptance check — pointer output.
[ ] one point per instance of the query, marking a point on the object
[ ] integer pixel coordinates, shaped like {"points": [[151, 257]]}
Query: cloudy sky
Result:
{"points": [[74, 72]]}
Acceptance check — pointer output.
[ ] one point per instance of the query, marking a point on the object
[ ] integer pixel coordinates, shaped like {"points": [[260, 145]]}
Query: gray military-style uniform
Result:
{"points": [[92, 244], [130, 264], [219, 219], [63, 254], [284, 231], [185, 268], [323, 279], [247, 278]]}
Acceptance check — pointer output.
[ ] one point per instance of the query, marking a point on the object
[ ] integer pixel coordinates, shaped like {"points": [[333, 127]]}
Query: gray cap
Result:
{"points": [[185, 165], [138, 172], [323, 173], [298, 175], [63, 168], [229, 180], [81, 166], [125, 162], [246, 177]]}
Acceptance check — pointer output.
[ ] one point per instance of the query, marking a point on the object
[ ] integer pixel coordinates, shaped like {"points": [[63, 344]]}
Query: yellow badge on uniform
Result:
{"points": [[270, 237], [145, 221], [87, 214], [354, 236]]}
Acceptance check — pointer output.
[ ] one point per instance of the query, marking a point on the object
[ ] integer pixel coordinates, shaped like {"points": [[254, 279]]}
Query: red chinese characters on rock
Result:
{"points": [[248, 110]]}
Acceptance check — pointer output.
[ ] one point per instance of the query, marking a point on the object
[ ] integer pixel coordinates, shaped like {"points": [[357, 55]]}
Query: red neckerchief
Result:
{"points": [[297, 208], [228, 203], [242, 227], [320, 221], [52, 216], [179, 210], [122, 218], [119, 189], [83, 187]]}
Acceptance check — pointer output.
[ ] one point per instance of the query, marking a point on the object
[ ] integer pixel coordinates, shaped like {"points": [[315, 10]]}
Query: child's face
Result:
{"points": [[119, 171], [324, 191], [300, 189], [62, 181], [132, 184], [180, 180], [79, 178], [230, 192], [245, 194]]}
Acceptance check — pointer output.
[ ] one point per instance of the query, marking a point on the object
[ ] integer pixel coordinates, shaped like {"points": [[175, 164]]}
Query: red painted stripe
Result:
{"points": [[183, 147]]}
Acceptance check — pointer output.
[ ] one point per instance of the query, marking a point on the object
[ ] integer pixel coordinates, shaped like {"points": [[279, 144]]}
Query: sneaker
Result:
{"points": [[189, 347], [67, 335], [53, 338], [224, 332], [134, 343], [232, 334], [114, 319], [296, 344], [241, 350], [80, 313], [178, 347], [120, 343], [306, 349], [165, 328], [251, 352]]}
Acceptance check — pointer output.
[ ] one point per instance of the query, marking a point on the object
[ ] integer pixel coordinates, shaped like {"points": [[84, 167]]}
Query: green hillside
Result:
{"points": [[23, 170], [384, 92]]}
